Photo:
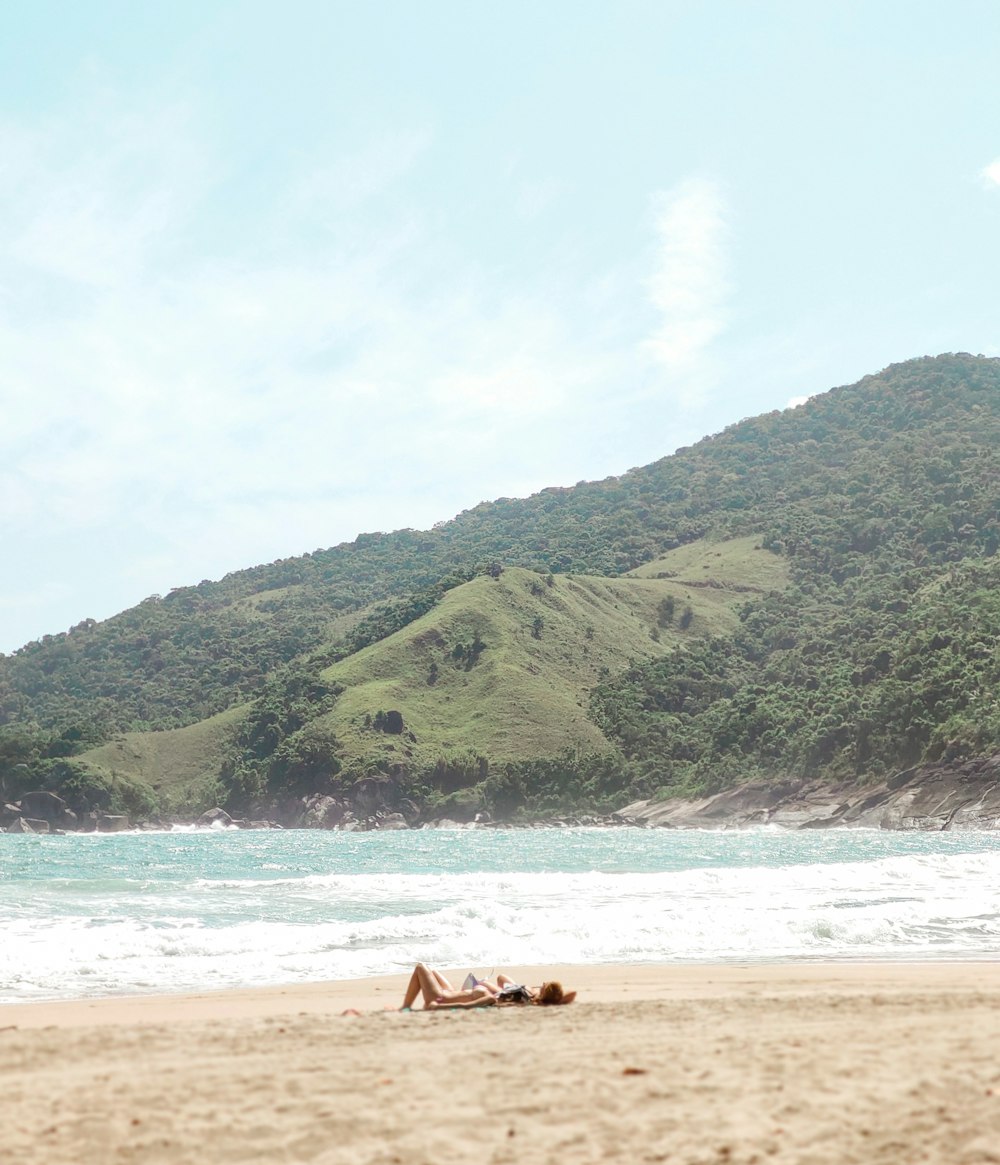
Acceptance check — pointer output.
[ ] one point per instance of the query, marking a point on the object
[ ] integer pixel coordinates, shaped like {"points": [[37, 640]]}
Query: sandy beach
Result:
{"points": [[800, 1063]]}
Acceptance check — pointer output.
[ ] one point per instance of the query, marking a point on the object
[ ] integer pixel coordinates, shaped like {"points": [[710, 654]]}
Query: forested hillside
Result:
{"points": [[499, 671], [881, 499]]}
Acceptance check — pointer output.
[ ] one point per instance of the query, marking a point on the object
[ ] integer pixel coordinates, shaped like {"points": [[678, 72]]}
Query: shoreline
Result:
{"points": [[830, 1063], [597, 983]]}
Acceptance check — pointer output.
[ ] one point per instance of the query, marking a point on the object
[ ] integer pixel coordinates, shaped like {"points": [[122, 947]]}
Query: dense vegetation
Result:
{"points": [[885, 650], [883, 499], [908, 670]]}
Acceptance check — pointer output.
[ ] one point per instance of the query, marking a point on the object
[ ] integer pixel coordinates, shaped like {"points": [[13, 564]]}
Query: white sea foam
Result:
{"points": [[307, 908]]}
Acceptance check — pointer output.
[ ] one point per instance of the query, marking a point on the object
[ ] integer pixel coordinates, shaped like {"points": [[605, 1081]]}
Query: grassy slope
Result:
{"points": [[527, 697], [737, 562], [524, 698], [181, 765]]}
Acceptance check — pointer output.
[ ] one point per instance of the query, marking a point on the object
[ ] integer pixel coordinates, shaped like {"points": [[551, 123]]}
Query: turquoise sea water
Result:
{"points": [[134, 913]]}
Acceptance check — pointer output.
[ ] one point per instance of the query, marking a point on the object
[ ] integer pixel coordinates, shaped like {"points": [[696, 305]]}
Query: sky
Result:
{"points": [[274, 274]]}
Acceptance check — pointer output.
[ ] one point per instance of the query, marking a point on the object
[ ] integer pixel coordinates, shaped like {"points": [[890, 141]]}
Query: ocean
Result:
{"points": [[93, 914]]}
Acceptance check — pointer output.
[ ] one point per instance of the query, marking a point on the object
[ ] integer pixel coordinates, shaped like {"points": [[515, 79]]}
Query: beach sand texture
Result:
{"points": [[796, 1063]]}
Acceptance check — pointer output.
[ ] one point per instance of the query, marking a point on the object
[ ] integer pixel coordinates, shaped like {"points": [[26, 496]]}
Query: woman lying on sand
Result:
{"points": [[439, 993]]}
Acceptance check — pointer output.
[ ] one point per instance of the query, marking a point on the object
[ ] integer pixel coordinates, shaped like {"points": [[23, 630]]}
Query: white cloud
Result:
{"points": [[350, 181], [86, 197], [690, 285], [992, 172], [181, 399], [194, 412], [796, 401]]}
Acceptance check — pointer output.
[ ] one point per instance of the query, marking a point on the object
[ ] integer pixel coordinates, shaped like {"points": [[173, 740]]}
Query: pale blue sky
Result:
{"points": [[275, 274]]}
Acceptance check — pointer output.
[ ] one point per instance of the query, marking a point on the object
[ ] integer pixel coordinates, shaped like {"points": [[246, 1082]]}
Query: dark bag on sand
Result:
{"points": [[514, 993]]}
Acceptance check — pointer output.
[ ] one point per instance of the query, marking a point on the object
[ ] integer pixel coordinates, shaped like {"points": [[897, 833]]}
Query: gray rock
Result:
{"points": [[371, 794], [45, 806], [9, 813], [393, 821], [213, 817], [112, 823], [28, 825], [324, 812], [935, 796]]}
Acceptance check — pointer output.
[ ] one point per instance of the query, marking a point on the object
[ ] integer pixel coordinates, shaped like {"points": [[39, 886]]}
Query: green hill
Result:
{"points": [[545, 644], [500, 670], [903, 462], [875, 506], [176, 769]]}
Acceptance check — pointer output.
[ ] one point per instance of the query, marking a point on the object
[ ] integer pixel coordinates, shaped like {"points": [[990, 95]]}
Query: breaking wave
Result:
{"points": [[157, 913]]}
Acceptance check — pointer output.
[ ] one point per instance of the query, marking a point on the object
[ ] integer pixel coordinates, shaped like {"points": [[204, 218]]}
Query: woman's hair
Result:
{"points": [[550, 993]]}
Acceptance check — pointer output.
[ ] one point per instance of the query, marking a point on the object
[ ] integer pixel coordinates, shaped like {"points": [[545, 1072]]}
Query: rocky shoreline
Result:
{"points": [[44, 812], [942, 795]]}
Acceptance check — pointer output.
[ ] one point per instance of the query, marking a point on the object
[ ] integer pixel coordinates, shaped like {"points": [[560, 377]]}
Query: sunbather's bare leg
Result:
{"points": [[438, 992], [476, 997], [431, 984], [442, 982], [415, 985]]}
